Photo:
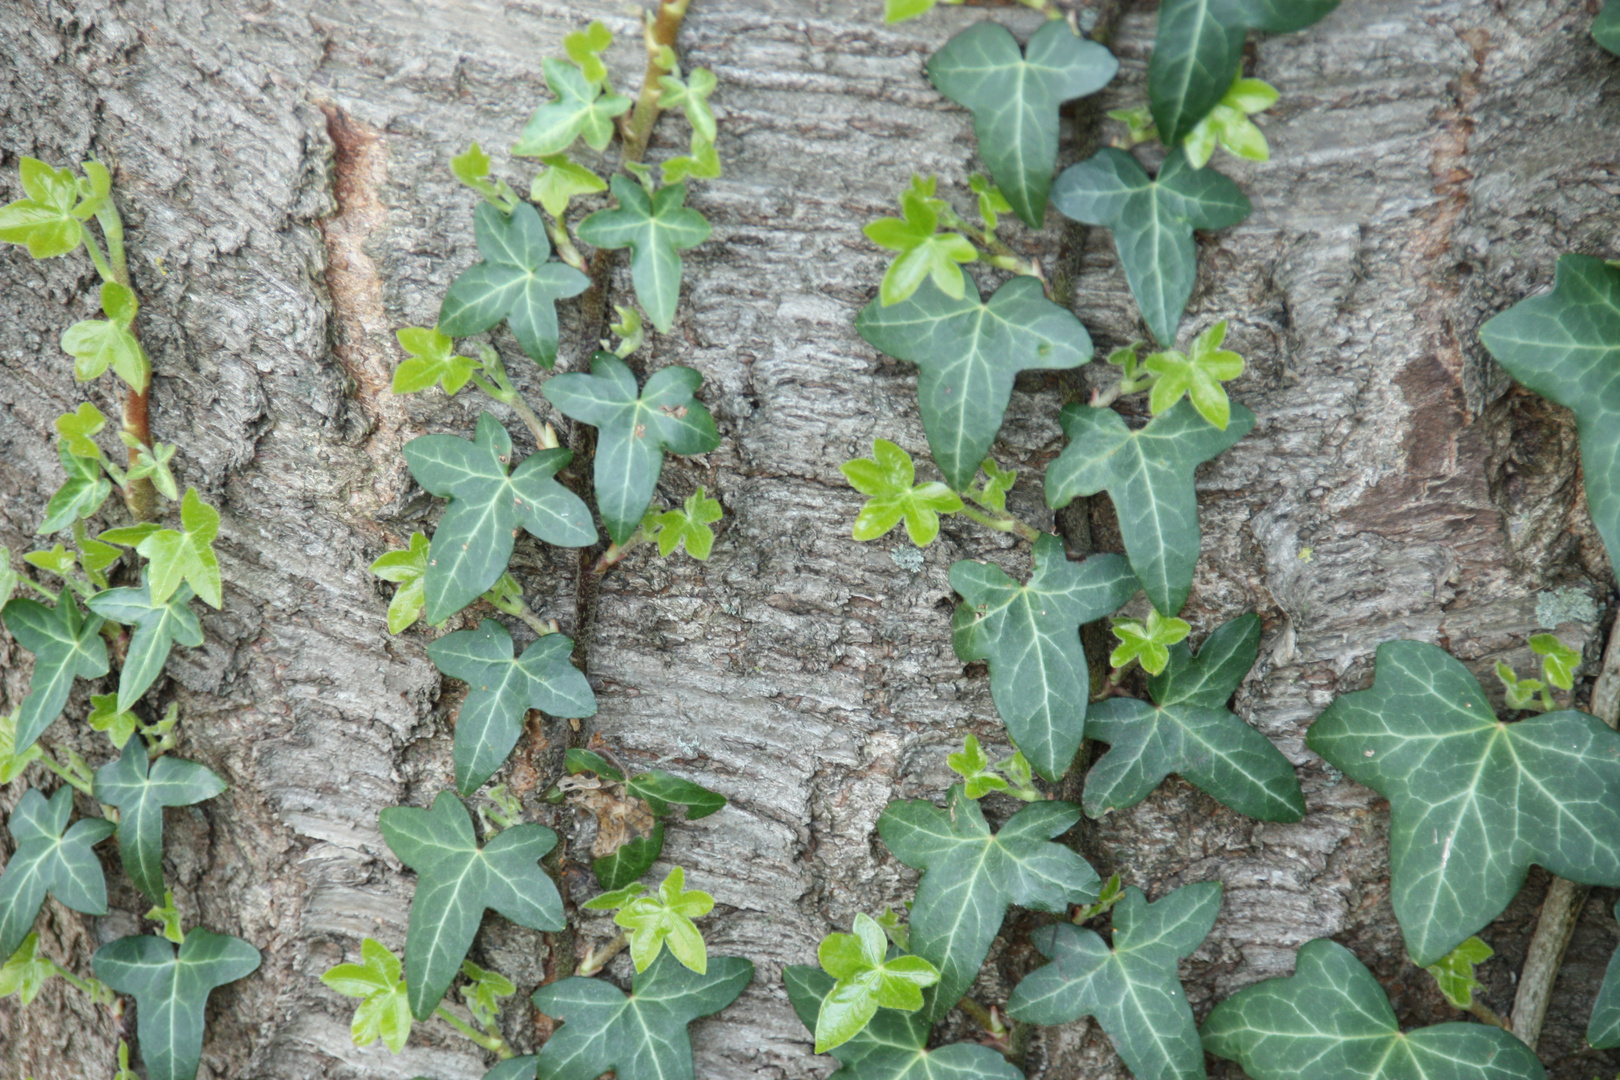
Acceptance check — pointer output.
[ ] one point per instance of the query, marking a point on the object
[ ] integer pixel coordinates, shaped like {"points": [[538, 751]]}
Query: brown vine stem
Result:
{"points": [[139, 494], [1562, 908]]}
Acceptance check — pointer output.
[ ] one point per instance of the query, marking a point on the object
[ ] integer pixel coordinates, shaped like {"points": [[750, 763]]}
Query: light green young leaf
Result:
{"points": [[1606, 27], [1520, 693], [1473, 802], [78, 430], [26, 972], [689, 525], [46, 219], [384, 1012], [105, 716], [1153, 222], [430, 358], [561, 180], [967, 353], [886, 478], [49, 860], [1603, 1030], [641, 1036], [12, 764], [992, 202], [926, 254], [581, 109], [171, 991], [656, 228], [157, 627], [1149, 642], [473, 542], [58, 560], [97, 344], [456, 880], [583, 47], [1198, 376], [503, 689], [703, 163], [1565, 345], [633, 430], [152, 463], [900, 10], [141, 789], [1228, 124], [81, 494], [186, 555], [970, 876], [1333, 1010], [66, 644], [973, 766], [665, 919], [167, 914], [406, 568], [1149, 475], [867, 979], [1015, 98], [692, 97], [1558, 661], [1188, 731], [1131, 988], [997, 483], [1030, 634], [8, 576], [1454, 972]]}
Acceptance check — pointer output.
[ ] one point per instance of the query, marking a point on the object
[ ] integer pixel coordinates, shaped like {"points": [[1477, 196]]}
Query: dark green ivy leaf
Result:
{"points": [[157, 627], [1473, 802], [1188, 731], [48, 861], [1331, 1018], [171, 991], [1606, 27], [1603, 1031], [655, 227], [627, 862], [1153, 222], [971, 875], [66, 644], [1149, 475], [473, 542], [633, 431], [1030, 634], [660, 788], [141, 790], [967, 353], [456, 880], [1015, 96], [503, 689], [641, 1036], [81, 494], [518, 1068], [1131, 988], [517, 281]]}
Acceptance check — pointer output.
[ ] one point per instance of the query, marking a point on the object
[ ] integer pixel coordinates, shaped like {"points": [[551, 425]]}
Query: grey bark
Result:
{"points": [[282, 168]]}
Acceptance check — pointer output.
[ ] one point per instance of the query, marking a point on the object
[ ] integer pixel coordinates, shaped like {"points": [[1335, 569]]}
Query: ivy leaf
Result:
{"points": [[577, 760], [926, 254], [171, 991], [620, 867], [78, 430], [561, 180], [383, 1012], [1153, 222], [640, 1036], [431, 359], [967, 353], [105, 716], [581, 109], [12, 763], [1558, 661], [1015, 98], [518, 1068], [503, 689], [900, 10], [1189, 731], [1565, 345], [971, 875], [1198, 376], [1606, 27], [8, 578], [893, 1045], [1228, 124], [406, 568], [692, 97], [582, 47], [66, 644], [81, 493], [1132, 988], [1148, 643], [688, 525], [141, 789], [47, 860], [484, 991], [473, 542], [25, 973], [1149, 475], [1030, 634], [659, 788], [45, 218], [655, 227], [886, 478], [972, 764], [97, 344], [157, 628], [518, 281], [1454, 972], [1200, 44], [665, 919], [633, 431], [175, 556], [1603, 1031], [867, 979], [456, 881], [1473, 802], [1333, 1010], [703, 163]]}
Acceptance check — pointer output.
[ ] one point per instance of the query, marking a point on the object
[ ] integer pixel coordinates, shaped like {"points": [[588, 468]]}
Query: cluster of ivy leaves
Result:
{"points": [[74, 630]]}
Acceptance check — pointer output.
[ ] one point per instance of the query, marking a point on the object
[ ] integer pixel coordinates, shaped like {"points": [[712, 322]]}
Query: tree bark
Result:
{"points": [[283, 172]]}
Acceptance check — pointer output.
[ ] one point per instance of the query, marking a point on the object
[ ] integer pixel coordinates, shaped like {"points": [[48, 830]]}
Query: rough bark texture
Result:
{"points": [[282, 168]]}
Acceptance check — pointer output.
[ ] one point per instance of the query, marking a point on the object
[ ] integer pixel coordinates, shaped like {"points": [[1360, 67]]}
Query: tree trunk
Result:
{"points": [[283, 169]]}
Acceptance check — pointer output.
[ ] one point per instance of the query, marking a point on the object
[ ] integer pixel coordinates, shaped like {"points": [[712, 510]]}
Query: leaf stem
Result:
{"points": [[71, 775], [491, 1042], [595, 960], [616, 552], [97, 991], [1002, 522], [96, 256]]}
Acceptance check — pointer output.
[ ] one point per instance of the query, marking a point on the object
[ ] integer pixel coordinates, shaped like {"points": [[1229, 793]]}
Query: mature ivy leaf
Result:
{"points": [[633, 431], [1331, 1018], [888, 478], [967, 353], [171, 991], [383, 1012], [8, 576], [503, 689], [655, 227], [1200, 44], [1015, 96], [665, 919], [659, 788], [621, 867], [1606, 27], [1030, 634], [689, 526], [1153, 222], [80, 495], [577, 760], [926, 253], [868, 979], [518, 1068], [1132, 988], [1473, 802], [48, 860], [1565, 345], [518, 281], [456, 881], [473, 542], [1603, 1031], [141, 789], [560, 180], [1188, 731], [641, 1036], [66, 644], [26, 972], [430, 359], [406, 568], [47, 218], [581, 109], [971, 875], [1149, 475], [157, 627]]}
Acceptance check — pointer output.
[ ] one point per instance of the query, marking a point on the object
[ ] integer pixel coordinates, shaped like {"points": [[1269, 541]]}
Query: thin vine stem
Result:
{"points": [[492, 1042]]}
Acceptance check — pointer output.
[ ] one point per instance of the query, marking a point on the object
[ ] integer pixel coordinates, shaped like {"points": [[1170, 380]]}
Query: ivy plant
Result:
{"points": [[140, 789], [379, 982], [158, 627], [866, 978], [656, 226], [662, 920]]}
